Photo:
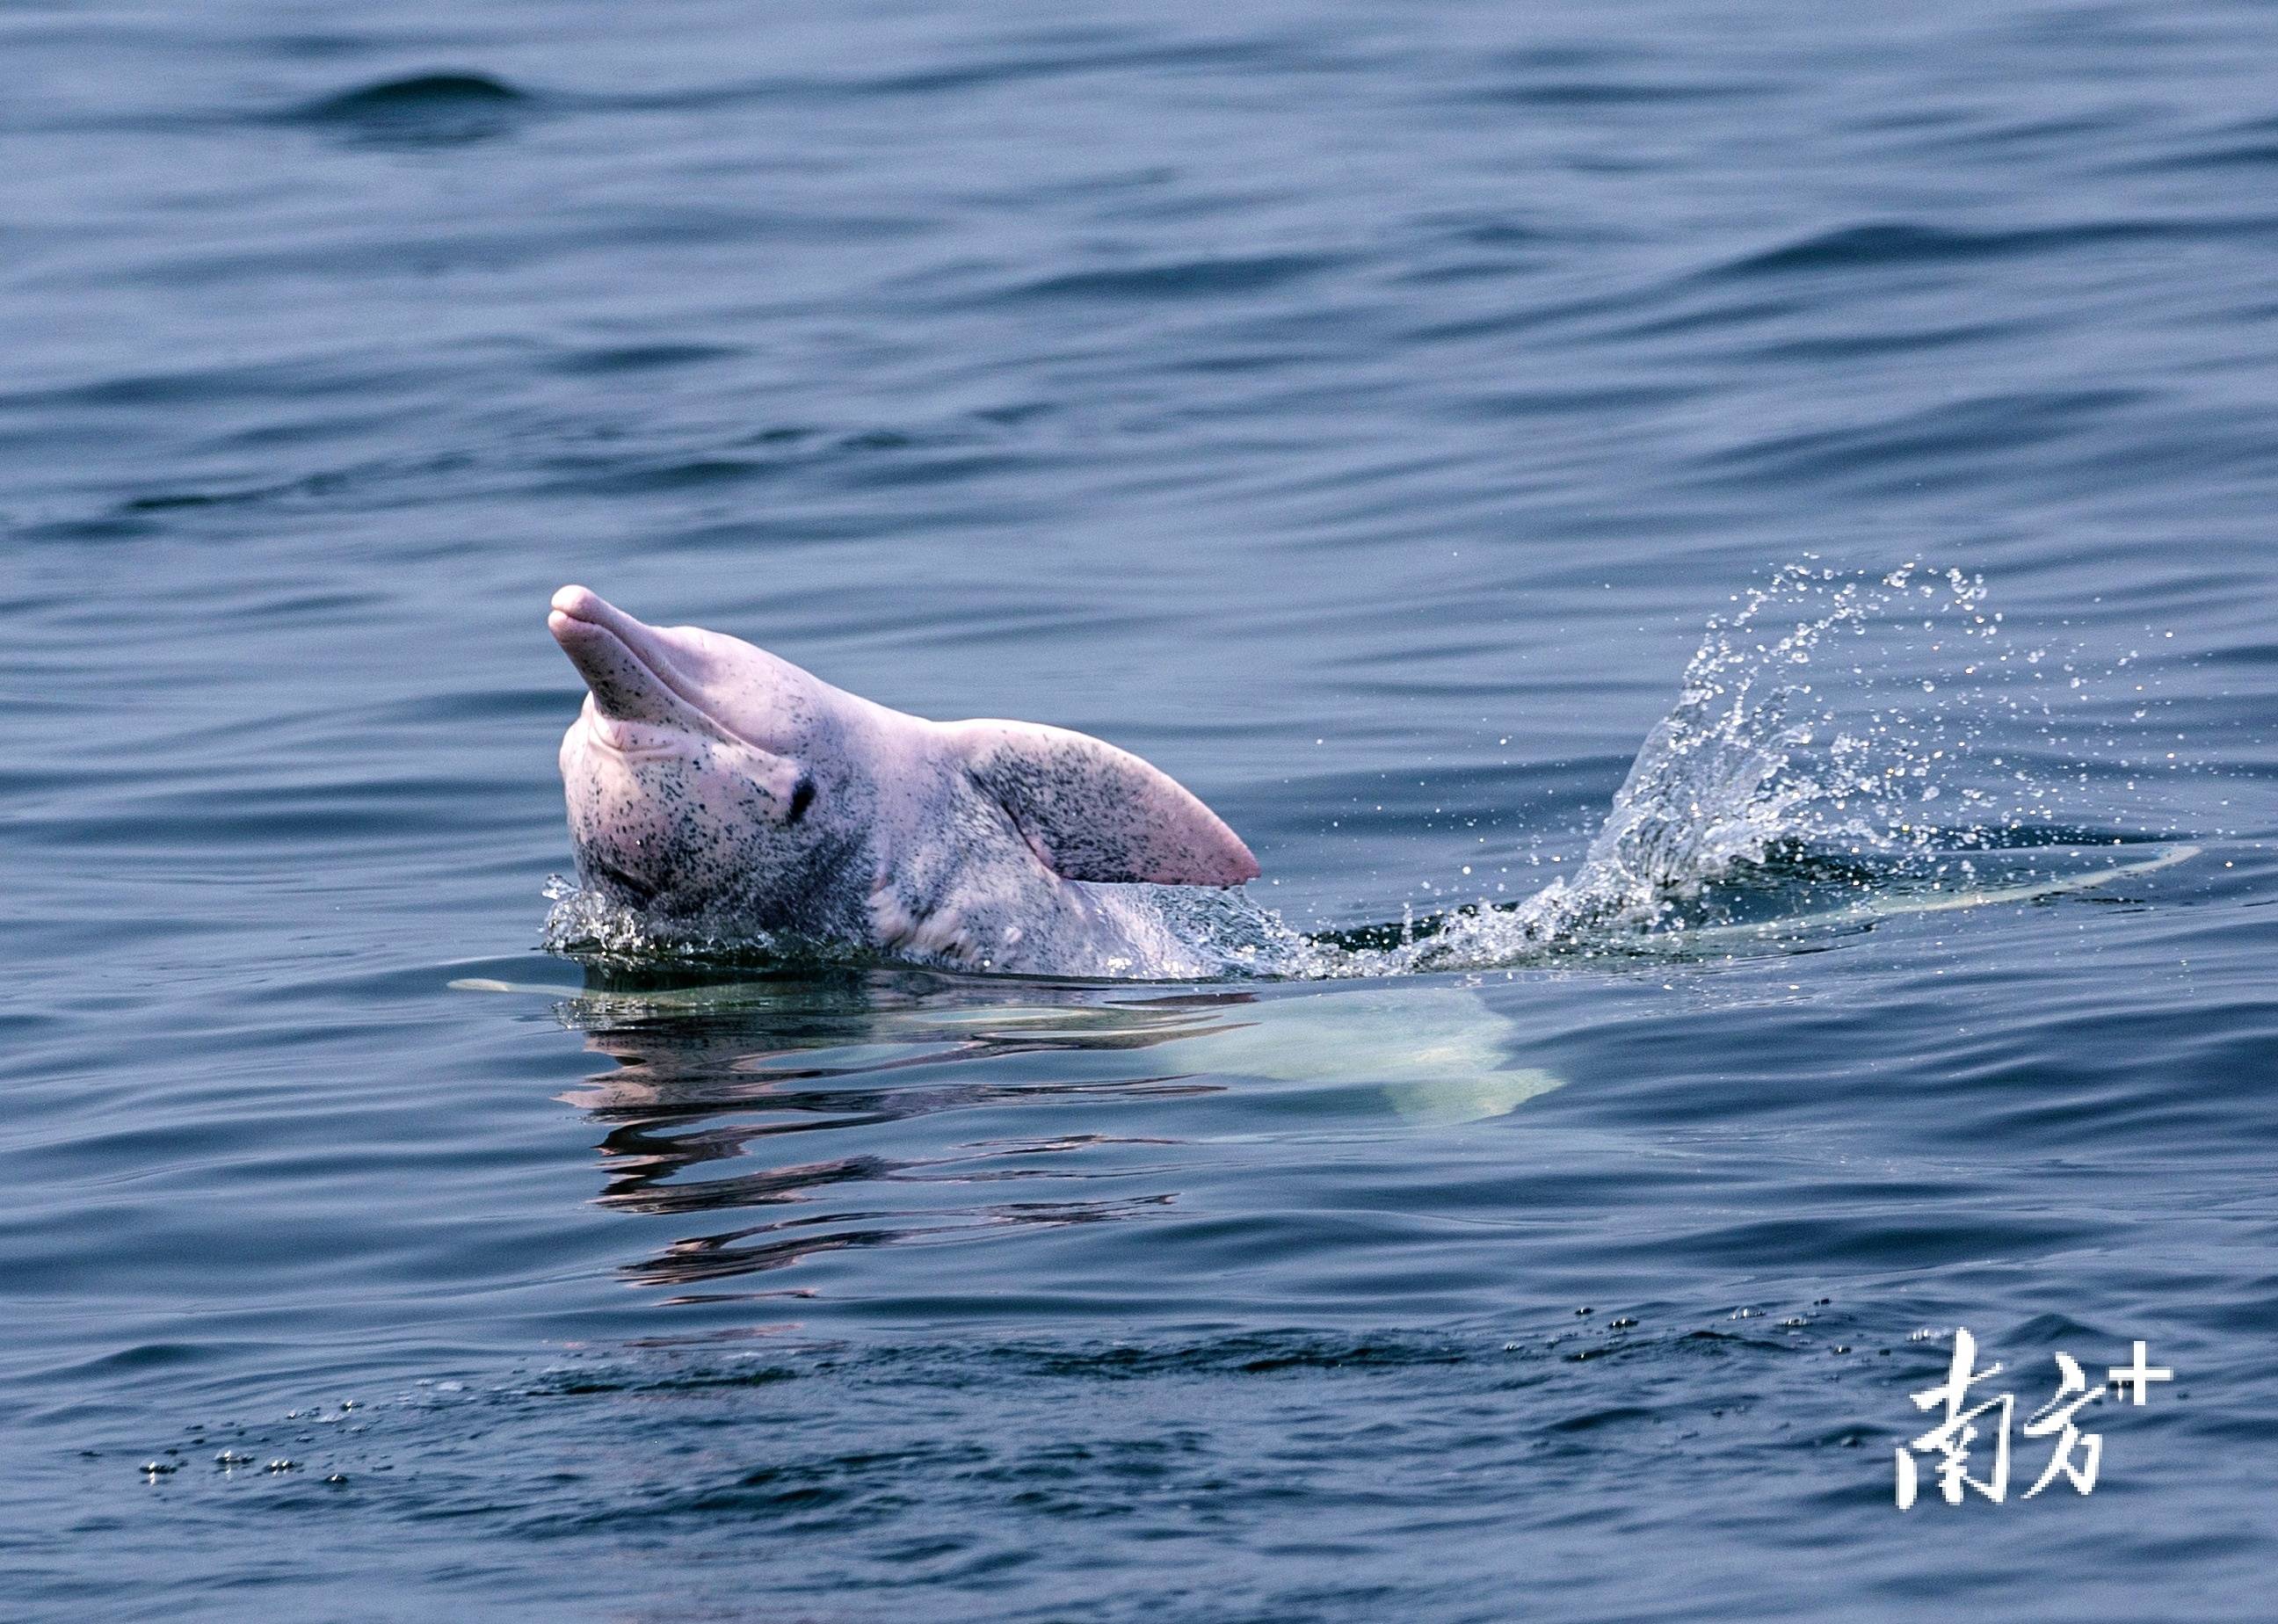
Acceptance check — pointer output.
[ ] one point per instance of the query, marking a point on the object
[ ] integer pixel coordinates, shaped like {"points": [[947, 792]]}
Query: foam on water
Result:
{"points": [[1868, 734]]}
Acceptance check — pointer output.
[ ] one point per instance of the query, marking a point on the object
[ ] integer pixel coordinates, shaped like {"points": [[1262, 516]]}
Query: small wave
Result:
{"points": [[1618, 93], [2247, 154], [1942, 445], [1104, 55], [1895, 243], [423, 107], [1183, 279], [609, 360]]}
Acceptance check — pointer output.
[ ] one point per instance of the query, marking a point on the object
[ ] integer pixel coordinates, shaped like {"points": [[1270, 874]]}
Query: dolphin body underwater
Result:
{"points": [[711, 783]]}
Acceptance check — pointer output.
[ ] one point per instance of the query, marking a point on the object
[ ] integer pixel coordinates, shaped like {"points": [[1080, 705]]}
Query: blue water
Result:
{"points": [[1361, 414]]}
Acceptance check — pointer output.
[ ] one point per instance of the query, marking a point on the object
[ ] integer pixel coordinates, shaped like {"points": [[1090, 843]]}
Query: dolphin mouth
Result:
{"points": [[631, 679]]}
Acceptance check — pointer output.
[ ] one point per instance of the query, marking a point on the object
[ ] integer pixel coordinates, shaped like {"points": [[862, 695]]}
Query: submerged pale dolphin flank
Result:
{"points": [[713, 783], [1429, 1056]]}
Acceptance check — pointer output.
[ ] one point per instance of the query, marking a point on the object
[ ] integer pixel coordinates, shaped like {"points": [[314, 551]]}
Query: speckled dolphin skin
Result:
{"points": [[710, 781]]}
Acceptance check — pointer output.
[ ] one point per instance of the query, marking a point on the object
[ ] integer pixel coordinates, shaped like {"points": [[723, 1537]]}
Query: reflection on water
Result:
{"points": [[930, 1091]]}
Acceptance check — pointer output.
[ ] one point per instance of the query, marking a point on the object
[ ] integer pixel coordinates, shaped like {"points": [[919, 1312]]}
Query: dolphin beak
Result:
{"points": [[613, 652], [579, 611]]}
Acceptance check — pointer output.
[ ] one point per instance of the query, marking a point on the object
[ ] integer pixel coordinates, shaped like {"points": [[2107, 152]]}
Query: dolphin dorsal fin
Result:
{"points": [[1092, 812]]}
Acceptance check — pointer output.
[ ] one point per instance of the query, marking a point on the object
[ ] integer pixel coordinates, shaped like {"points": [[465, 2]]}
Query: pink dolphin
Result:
{"points": [[710, 781]]}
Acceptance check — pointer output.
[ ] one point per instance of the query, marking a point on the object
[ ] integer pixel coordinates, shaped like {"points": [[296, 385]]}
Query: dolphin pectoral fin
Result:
{"points": [[1092, 812], [486, 984]]}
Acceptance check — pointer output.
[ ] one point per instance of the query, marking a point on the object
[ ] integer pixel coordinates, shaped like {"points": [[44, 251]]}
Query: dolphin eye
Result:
{"points": [[801, 798]]}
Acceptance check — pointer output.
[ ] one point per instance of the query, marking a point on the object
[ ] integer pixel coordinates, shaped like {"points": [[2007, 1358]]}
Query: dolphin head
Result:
{"points": [[710, 781], [706, 777]]}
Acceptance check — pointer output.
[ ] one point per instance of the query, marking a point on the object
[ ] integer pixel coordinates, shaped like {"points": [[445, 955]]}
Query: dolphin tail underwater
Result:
{"points": [[713, 784]]}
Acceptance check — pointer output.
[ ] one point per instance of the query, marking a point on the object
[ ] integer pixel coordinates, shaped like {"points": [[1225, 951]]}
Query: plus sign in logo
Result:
{"points": [[2139, 1373]]}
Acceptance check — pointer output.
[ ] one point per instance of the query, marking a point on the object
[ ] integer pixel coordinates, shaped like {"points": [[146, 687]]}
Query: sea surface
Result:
{"points": [[1390, 420]]}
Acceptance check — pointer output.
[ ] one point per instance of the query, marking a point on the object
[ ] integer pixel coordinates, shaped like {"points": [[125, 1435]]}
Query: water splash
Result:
{"points": [[1815, 729], [1834, 732], [587, 926]]}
